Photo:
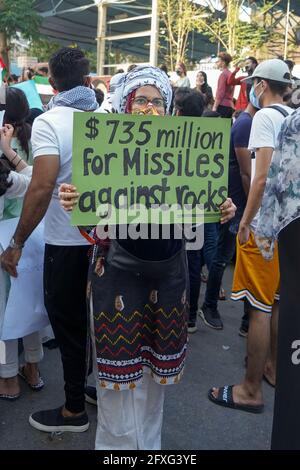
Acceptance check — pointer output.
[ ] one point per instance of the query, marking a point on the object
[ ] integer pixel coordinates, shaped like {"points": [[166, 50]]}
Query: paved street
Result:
{"points": [[191, 421]]}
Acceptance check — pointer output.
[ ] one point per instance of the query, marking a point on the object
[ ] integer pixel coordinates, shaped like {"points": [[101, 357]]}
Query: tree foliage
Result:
{"points": [[223, 26], [180, 19], [19, 16], [42, 49], [236, 36], [16, 16]]}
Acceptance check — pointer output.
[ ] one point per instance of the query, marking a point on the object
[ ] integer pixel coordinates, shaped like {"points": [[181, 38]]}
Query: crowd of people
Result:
{"points": [[124, 308]]}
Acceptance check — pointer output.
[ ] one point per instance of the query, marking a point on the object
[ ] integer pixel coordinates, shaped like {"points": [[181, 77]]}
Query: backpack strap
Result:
{"points": [[282, 111]]}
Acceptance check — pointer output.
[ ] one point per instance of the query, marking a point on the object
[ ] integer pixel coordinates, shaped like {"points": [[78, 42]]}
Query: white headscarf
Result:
{"points": [[142, 75]]}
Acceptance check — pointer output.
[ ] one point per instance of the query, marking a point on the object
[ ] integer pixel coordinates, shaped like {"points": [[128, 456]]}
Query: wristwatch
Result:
{"points": [[14, 245]]}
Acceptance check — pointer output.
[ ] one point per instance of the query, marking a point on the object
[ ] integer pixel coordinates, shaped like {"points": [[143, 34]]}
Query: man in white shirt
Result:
{"points": [[256, 281], [66, 252]]}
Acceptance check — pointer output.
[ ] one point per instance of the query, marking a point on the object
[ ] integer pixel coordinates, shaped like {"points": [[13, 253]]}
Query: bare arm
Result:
{"points": [[37, 198], [36, 202], [243, 156], [6, 134], [263, 156]]}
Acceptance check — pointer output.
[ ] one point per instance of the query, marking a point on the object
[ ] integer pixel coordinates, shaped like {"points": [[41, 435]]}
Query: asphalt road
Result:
{"points": [[191, 421]]}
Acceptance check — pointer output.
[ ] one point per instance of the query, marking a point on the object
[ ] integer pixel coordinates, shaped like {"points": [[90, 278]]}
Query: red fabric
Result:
{"points": [[242, 101], [225, 92], [2, 64], [130, 98]]}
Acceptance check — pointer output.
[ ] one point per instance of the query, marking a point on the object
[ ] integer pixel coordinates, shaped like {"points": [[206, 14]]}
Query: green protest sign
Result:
{"points": [[123, 160]]}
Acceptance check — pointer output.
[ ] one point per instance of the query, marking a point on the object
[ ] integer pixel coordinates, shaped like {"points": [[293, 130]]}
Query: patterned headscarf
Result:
{"points": [[142, 75]]}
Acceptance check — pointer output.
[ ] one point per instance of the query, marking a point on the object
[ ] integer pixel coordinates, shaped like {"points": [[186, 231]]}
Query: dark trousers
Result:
{"points": [[196, 259], [286, 431], [225, 111], [223, 255], [211, 234], [65, 281]]}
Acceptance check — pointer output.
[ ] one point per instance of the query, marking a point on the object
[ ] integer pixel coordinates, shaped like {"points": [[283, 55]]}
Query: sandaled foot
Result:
{"points": [[270, 379], [223, 396], [270, 374], [32, 377], [9, 389]]}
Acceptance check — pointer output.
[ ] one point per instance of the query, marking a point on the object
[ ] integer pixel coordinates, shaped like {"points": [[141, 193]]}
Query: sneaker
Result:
{"points": [[54, 421], [192, 328], [91, 395], [243, 331], [211, 318]]}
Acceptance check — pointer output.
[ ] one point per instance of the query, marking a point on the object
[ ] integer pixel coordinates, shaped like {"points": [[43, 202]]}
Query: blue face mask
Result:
{"points": [[254, 100]]}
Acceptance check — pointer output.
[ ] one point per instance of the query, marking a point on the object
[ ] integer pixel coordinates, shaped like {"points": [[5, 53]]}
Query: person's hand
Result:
{"points": [[228, 210], [6, 134], [240, 63], [243, 233], [68, 196], [9, 260]]}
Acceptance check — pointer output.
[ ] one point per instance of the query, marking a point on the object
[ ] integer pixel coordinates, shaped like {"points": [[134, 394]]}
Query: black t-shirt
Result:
{"points": [[152, 249], [240, 133]]}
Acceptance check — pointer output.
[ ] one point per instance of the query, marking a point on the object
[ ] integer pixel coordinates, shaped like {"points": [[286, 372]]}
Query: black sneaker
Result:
{"points": [[91, 395], [211, 318], [54, 421], [243, 331]]}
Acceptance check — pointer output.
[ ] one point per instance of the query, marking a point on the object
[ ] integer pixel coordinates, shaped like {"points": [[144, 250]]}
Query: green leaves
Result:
{"points": [[19, 16]]}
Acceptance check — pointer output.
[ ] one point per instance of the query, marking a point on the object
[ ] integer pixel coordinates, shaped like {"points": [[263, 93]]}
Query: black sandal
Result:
{"points": [[4, 396], [36, 387], [225, 398]]}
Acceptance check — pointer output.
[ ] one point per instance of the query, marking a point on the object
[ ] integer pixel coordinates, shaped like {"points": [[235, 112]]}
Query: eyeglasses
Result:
{"points": [[143, 101]]}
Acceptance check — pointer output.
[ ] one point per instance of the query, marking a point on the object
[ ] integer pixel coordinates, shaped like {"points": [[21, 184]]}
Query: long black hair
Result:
{"points": [[16, 113], [4, 172], [204, 85]]}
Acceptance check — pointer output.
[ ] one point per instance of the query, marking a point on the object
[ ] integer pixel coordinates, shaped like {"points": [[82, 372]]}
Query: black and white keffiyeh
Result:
{"points": [[142, 75], [80, 97]]}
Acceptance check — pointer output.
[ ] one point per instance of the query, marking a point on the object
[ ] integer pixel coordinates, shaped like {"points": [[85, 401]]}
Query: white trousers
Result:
{"points": [[33, 352], [128, 419]]}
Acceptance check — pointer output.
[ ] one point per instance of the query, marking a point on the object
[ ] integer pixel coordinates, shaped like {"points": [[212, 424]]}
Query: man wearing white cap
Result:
{"points": [[256, 280]]}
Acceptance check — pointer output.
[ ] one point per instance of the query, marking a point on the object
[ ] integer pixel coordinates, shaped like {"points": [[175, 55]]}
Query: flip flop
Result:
{"points": [[36, 387], [225, 398], [3, 396], [268, 381]]}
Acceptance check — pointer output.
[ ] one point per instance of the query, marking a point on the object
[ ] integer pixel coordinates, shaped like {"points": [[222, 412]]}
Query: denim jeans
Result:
{"points": [[196, 259], [211, 235], [223, 255]]}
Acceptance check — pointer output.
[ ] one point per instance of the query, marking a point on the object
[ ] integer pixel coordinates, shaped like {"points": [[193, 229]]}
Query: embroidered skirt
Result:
{"points": [[140, 312]]}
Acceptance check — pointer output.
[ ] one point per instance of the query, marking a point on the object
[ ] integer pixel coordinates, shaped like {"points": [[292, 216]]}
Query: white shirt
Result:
{"points": [[20, 182], [52, 134], [265, 129]]}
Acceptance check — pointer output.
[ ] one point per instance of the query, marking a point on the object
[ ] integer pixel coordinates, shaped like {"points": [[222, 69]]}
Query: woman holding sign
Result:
{"points": [[138, 295]]}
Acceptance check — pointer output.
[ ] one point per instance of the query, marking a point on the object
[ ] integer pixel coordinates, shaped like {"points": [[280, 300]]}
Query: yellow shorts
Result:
{"points": [[255, 279]]}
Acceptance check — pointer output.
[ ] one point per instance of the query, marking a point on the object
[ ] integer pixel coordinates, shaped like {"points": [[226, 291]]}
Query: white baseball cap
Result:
{"points": [[273, 69]]}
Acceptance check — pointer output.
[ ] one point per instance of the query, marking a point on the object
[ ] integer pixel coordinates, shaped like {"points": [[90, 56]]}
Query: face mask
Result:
{"points": [[148, 110], [254, 100], [178, 71]]}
